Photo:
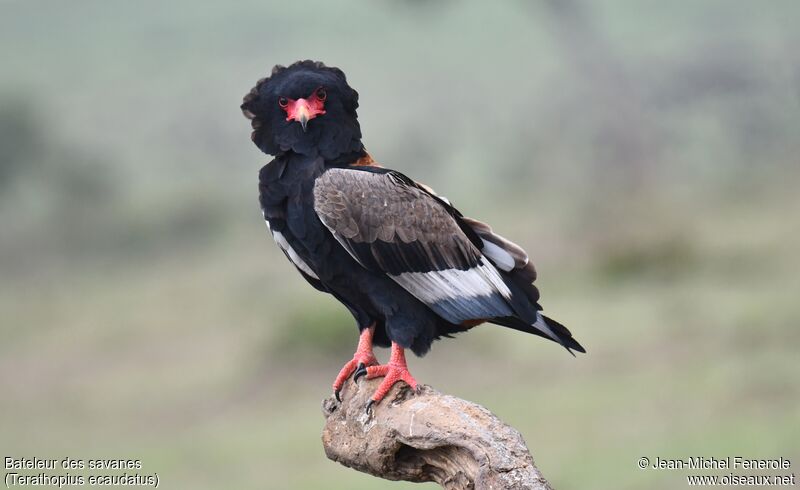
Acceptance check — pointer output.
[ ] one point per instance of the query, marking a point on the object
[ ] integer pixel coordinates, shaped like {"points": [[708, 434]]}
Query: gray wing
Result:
{"points": [[390, 225]]}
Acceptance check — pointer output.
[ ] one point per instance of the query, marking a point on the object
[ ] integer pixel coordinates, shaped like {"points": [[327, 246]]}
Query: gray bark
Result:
{"points": [[426, 436]]}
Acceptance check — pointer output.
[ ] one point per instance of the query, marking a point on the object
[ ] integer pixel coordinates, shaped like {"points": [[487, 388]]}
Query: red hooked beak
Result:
{"points": [[304, 110]]}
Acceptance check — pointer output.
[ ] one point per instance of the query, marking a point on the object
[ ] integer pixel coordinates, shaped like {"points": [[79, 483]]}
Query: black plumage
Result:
{"points": [[335, 136], [399, 257]]}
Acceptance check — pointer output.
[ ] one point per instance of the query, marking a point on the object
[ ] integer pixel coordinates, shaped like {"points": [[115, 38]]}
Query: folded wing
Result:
{"points": [[391, 225]]}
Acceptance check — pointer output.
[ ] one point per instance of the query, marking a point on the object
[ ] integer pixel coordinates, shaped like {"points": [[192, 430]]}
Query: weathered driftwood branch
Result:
{"points": [[426, 436]]}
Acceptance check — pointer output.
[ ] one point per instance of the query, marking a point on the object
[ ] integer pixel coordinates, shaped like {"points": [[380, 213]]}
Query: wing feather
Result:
{"points": [[389, 224], [507, 256]]}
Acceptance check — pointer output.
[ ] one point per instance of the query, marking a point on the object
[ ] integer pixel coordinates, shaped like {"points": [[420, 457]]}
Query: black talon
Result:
{"points": [[336, 395], [369, 406], [361, 370]]}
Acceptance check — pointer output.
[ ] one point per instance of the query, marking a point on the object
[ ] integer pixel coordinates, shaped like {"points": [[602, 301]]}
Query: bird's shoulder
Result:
{"points": [[388, 222], [367, 172], [369, 184], [381, 195], [503, 253]]}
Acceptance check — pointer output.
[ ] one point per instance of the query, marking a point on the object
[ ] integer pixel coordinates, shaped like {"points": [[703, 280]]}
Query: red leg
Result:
{"points": [[396, 370], [362, 357]]}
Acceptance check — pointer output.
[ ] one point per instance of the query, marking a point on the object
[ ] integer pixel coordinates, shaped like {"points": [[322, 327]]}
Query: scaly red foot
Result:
{"points": [[396, 370], [362, 358]]}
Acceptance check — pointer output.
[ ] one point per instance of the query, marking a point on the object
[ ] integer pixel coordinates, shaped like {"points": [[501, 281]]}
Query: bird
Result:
{"points": [[402, 259]]}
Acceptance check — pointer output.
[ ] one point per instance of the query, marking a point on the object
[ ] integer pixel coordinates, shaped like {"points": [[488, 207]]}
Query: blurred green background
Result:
{"points": [[644, 152]]}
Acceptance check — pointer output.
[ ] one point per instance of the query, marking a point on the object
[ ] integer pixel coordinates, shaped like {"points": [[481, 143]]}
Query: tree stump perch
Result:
{"points": [[426, 436]]}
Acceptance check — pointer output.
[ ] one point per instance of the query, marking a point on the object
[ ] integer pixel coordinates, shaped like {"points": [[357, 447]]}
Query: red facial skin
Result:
{"points": [[308, 108]]}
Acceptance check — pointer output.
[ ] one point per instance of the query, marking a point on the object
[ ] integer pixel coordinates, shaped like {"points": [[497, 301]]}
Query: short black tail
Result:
{"points": [[561, 333]]}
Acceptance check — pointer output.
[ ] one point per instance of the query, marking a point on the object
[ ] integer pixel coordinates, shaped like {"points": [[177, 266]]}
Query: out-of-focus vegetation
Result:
{"points": [[646, 154]]}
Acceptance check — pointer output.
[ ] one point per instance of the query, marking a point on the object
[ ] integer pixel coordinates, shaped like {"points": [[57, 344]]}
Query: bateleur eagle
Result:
{"points": [[403, 260]]}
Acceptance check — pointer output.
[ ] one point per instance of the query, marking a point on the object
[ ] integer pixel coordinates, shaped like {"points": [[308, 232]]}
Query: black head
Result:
{"points": [[307, 108]]}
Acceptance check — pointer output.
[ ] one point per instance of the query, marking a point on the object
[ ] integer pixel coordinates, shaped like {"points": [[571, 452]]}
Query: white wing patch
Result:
{"points": [[500, 257], [293, 257], [431, 287], [544, 327]]}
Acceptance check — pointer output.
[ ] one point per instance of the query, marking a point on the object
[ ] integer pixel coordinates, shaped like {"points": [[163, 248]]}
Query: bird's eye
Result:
{"points": [[283, 102], [321, 93]]}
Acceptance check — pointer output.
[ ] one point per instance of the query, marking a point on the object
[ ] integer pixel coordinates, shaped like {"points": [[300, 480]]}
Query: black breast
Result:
{"points": [[286, 196]]}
